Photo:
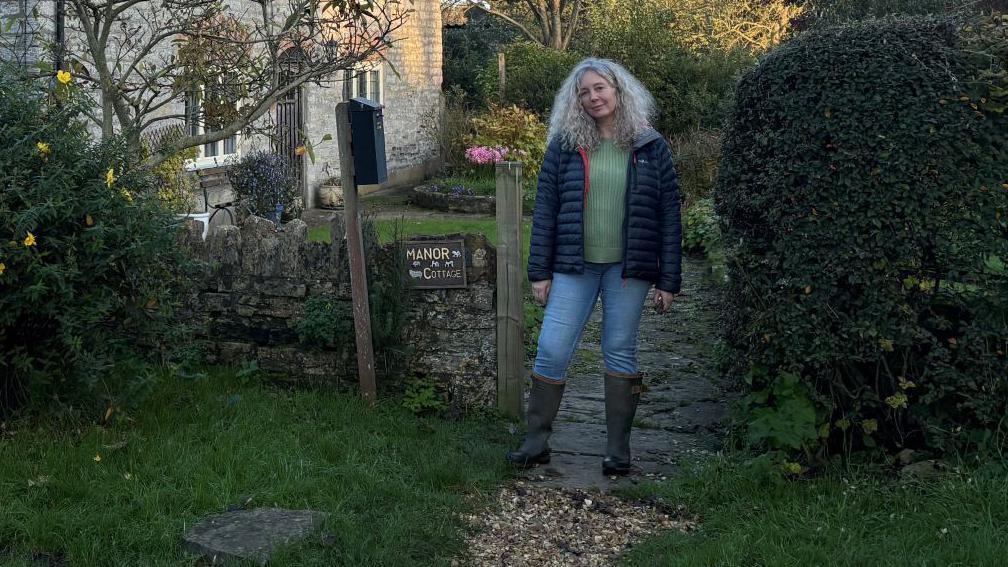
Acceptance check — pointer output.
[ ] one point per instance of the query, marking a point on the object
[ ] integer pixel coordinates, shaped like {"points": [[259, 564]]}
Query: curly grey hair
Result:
{"points": [[574, 128]]}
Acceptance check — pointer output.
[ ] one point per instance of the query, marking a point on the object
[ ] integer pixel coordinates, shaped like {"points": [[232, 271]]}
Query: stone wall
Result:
{"points": [[251, 293]]}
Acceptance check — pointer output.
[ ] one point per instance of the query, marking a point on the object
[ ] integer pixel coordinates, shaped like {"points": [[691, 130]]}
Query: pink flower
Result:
{"points": [[482, 155]]}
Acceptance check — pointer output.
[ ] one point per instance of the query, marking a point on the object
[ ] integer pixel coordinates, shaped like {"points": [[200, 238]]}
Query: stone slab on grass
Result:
{"points": [[249, 535]]}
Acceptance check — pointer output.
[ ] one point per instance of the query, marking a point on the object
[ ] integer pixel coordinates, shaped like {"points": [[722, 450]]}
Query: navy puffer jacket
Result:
{"points": [[652, 249]]}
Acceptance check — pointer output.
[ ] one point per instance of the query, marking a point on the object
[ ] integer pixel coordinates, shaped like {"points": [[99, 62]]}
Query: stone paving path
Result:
{"points": [[683, 412]]}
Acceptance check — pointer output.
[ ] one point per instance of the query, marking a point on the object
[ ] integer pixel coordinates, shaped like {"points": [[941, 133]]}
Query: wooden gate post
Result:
{"points": [[510, 312], [355, 249]]}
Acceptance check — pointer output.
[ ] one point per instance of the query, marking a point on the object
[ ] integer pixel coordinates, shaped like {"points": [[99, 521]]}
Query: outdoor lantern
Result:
{"points": [[367, 135]]}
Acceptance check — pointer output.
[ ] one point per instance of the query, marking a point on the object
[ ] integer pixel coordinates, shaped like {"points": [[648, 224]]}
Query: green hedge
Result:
{"points": [[863, 189], [90, 261]]}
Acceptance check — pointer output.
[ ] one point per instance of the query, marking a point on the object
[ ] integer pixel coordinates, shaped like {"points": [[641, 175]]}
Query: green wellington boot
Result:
{"points": [[622, 392], [543, 404]]}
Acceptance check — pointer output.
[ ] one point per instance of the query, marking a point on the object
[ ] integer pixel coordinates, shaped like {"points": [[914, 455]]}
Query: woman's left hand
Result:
{"points": [[663, 300]]}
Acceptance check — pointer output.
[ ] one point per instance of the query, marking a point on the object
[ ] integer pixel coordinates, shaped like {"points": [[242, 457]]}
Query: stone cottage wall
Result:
{"points": [[251, 293]]}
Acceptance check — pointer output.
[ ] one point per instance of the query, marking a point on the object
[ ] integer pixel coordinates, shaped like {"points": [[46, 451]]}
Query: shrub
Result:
{"points": [[684, 52], [446, 127], [696, 154], [327, 323], [175, 186], [468, 51], [263, 180], [89, 259], [518, 130], [388, 295], [864, 194], [533, 74]]}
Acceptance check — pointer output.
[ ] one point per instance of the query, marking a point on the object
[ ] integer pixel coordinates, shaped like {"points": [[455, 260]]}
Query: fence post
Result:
{"points": [[501, 76], [355, 250], [510, 312]]}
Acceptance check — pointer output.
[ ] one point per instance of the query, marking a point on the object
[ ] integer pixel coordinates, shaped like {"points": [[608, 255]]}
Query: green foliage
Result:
{"points": [[446, 128], [696, 154], [518, 130], [262, 181], [701, 229], [693, 88], [533, 73], [327, 324], [90, 260], [388, 293], [832, 12], [864, 196], [425, 396], [783, 415], [468, 51], [176, 187]]}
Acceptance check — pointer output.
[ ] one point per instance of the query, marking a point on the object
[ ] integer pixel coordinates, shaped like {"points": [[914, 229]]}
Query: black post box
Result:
{"points": [[367, 135]]}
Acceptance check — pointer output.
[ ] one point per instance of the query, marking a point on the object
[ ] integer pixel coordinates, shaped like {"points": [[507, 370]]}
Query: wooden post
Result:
{"points": [[501, 75], [510, 312], [355, 250]]}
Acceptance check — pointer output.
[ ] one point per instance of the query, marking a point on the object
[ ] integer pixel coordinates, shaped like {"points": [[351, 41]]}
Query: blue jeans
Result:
{"points": [[571, 300]]}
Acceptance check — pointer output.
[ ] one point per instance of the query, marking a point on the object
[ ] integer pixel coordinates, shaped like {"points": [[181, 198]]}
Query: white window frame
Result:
{"points": [[196, 127], [369, 71]]}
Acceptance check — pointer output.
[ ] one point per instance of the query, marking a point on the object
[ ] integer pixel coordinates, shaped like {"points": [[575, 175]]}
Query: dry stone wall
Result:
{"points": [[250, 295]]}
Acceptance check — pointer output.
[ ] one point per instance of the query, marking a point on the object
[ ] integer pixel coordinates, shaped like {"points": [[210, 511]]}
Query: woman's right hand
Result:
{"points": [[540, 291]]}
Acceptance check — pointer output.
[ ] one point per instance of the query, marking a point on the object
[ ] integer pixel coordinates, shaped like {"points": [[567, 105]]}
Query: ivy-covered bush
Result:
{"points": [[864, 194], [516, 129], [89, 258], [265, 183]]}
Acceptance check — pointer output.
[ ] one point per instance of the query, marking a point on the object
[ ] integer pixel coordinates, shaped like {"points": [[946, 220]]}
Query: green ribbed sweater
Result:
{"points": [[604, 210]]}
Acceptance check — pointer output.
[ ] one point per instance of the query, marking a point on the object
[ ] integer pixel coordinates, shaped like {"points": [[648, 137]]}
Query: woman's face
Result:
{"points": [[597, 96]]}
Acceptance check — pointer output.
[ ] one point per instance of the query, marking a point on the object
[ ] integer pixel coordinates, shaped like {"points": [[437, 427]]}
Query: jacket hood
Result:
{"points": [[646, 136]]}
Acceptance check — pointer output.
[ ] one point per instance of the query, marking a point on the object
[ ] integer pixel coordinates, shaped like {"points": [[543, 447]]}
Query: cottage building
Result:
{"points": [[407, 82]]}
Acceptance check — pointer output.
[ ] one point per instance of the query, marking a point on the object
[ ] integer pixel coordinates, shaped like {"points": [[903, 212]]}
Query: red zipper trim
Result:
{"points": [[587, 180]]}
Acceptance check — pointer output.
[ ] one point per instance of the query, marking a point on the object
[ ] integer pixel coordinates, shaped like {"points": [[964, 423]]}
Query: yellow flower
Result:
{"points": [[110, 177], [897, 400], [793, 468], [29, 240], [43, 148], [63, 77], [2, 268], [97, 458], [300, 150], [126, 194], [869, 426], [88, 220]]}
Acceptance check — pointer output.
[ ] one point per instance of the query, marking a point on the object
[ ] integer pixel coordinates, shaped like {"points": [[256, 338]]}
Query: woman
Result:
{"points": [[606, 222]]}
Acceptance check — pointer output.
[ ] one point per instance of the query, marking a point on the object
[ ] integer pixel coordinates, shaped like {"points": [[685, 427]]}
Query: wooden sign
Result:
{"points": [[436, 264]]}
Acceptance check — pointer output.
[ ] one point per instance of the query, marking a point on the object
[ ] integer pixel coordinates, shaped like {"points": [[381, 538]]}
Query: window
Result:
{"points": [[367, 81], [203, 115]]}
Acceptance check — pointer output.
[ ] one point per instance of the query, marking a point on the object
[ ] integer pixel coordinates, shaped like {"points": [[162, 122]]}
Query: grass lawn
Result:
{"points": [[393, 484], [857, 517]]}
